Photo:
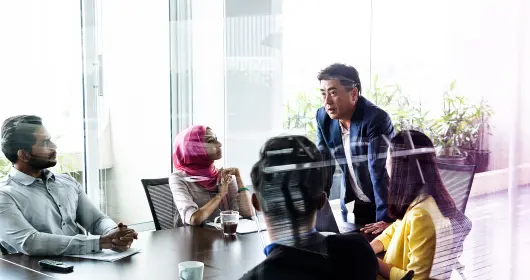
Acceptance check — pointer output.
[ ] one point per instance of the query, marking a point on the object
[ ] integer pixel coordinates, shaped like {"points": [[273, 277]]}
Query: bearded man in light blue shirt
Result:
{"points": [[40, 212]]}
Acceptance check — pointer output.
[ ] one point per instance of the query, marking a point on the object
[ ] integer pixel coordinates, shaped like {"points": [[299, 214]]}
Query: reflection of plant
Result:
{"points": [[404, 113], [472, 135], [300, 114], [459, 124], [5, 166], [66, 163]]}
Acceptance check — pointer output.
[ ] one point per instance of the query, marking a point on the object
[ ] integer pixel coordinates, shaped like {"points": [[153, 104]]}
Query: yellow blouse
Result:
{"points": [[411, 243]]}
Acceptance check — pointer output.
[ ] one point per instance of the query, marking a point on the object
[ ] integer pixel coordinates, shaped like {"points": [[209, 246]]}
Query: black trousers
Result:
{"points": [[364, 212]]}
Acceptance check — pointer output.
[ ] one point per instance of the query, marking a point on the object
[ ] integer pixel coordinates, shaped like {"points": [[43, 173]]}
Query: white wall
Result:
{"points": [[137, 93]]}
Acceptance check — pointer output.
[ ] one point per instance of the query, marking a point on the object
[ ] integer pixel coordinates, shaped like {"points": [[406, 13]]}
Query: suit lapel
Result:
{"points": [[354, 136], [355, 127], [336, 134]]}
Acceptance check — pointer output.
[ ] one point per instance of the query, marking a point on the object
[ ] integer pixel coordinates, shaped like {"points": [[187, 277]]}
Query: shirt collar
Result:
{"points": [[268, 249], [27, 180], [419, 199], [343, 130]]}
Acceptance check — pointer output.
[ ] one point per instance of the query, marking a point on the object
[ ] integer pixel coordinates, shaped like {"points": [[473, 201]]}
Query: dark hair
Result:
{"points": [[288, 178], [18, 134], [414, 173], [347, 75]]}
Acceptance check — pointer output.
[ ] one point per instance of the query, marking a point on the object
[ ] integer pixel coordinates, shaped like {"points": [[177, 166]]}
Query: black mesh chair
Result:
{"points": [[458, 180], [3, 250], [163, 208]]}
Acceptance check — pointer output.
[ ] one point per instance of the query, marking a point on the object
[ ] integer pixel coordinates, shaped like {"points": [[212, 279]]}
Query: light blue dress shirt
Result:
{"points": [[41, 217]]}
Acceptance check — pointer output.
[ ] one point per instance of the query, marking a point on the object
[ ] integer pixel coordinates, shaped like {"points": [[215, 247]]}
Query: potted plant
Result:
{"points": [[300, 114], [473, 137], [391, 99], [451, 126]]}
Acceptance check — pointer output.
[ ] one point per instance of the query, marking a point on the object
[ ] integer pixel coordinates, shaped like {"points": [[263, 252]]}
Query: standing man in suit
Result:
{"points": [[351, 131]]}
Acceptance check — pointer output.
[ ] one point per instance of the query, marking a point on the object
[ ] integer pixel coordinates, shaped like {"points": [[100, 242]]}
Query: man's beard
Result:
{"points": [[38, 163]]}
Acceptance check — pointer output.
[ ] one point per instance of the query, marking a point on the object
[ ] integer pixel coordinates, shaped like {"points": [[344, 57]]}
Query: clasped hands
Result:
{"points": [[225, 178], [119, 239]]}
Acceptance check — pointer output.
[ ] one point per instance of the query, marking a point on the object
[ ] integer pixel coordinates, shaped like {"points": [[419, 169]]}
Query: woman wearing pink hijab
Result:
{"points": [[200, 190]]}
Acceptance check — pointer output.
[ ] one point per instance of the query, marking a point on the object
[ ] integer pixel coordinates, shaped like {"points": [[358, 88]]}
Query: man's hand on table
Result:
{"points": [[118, 239], [375, 228]]}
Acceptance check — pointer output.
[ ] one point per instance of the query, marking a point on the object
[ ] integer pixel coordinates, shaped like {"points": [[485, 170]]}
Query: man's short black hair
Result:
{"points": [[288, 179], [347, 75], [18, 134]]}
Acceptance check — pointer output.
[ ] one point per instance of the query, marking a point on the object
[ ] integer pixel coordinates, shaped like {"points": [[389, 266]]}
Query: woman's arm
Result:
{"points": [[384, 269], [206, 211], [421, 247], [380, 243], [377, 246], [245, 205], [189, 211]]}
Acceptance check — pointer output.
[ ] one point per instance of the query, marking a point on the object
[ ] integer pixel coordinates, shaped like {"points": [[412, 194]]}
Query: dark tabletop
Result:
{"points": [[161, 251], [10, 271], [224, 258]]}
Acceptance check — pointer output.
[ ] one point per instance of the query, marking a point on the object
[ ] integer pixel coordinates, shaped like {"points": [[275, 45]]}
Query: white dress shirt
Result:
{"points": [[39, 217], [347, 152]]}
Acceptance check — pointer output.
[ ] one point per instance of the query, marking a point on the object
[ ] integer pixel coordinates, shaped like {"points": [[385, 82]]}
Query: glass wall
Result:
{"points": [[248, 69], [133, 103], [115, 80], [41, 73], [453, 69]]}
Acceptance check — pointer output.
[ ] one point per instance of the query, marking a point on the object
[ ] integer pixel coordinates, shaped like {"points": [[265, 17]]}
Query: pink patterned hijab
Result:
{"points": [[190, 157]]}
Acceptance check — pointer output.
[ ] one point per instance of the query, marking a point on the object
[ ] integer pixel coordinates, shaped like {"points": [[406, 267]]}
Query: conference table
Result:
{"points": [[161, 251], [12, 271]]}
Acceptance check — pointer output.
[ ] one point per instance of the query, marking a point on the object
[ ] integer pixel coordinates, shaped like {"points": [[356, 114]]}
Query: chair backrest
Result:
{"points": [[3, 250], [458, 180], [163, 208]]}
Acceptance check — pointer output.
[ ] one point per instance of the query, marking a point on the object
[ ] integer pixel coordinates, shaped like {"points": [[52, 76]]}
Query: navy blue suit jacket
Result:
{"points": [[368, 152]]}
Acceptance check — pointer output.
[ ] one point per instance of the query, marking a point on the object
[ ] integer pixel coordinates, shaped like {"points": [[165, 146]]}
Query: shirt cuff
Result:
{"points": [[385, 240], [105, 226], [92, 244], [188, 213], [396, 273]]}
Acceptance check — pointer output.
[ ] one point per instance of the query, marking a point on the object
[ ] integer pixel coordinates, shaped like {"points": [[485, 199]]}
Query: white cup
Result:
{"points": [[191, 270]]}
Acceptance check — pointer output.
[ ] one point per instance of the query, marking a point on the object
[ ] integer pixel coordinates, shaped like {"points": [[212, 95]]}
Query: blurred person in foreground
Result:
{"points": [[40, 210], [201, 190], [421, 239], [350, 130], [289, 180]]}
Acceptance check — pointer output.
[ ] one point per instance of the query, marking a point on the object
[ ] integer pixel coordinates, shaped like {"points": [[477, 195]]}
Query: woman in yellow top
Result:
{"points": [[421, 238]]}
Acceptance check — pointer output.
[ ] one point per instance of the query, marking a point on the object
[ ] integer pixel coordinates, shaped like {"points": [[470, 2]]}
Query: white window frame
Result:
{"points": [[91, 86]]}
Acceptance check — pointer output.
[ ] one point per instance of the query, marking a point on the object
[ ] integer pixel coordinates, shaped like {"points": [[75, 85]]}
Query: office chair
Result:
{"points": [[163, 208], [3, 250], [458, 180]]}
